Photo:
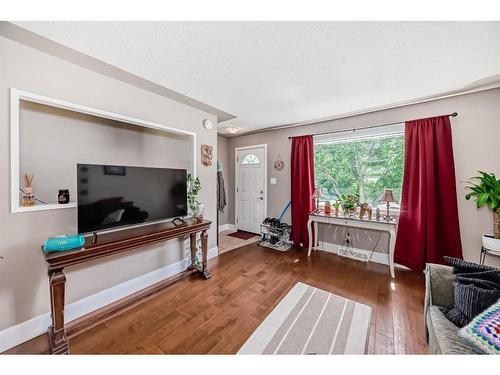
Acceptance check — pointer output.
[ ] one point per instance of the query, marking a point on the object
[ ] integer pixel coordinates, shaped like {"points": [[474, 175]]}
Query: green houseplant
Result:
{"points": [[487, 193], [193, 189]]}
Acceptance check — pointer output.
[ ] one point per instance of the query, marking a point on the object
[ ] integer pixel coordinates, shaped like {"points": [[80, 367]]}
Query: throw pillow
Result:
{"points": [[484, 330], [476, 287]]}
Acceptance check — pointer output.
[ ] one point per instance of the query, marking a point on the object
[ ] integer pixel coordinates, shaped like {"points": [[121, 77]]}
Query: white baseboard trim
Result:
{"points": [[224, 227], [29, 329], [376, 257]]}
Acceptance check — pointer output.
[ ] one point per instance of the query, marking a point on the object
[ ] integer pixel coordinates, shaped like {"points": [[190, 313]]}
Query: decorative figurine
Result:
{"points": [[63, 196], [377, 214], [365, 208], [328, 208]]}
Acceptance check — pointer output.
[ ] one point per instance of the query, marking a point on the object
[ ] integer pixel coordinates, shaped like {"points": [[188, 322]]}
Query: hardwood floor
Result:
{"points": [[217, 316]]}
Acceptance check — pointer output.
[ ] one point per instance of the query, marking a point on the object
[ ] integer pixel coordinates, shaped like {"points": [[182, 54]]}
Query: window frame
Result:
{"points": [[351, 135]]}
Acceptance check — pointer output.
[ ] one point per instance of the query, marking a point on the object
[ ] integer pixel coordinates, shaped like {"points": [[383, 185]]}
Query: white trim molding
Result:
{"points": [[224, 227], [38, 325], [17, 95]]}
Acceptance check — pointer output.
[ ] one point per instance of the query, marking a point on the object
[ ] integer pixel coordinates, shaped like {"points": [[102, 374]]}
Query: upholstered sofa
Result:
{"points": [[442, 335]]}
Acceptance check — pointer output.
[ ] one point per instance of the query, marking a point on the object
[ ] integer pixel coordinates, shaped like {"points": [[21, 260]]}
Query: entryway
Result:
{"points": [[251, 187]]}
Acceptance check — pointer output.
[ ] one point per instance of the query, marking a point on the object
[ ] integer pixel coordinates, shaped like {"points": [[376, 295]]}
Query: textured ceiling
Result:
{"points": [[276, 73]]}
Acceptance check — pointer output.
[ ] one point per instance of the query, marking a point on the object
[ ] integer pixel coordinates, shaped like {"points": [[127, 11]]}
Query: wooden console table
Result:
{"points": [[353, 222], [109, 244]]}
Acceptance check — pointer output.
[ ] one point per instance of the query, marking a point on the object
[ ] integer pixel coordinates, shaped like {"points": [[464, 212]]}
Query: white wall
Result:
{"points": [[223, 158], [23, 274]]}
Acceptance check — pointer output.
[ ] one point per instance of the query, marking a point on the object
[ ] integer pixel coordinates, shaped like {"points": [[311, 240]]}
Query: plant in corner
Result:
{"points": [[487, 193], [193, 189]]}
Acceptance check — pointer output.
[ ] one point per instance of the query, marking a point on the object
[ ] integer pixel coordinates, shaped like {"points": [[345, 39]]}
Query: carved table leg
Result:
{"points": [[204, 254], [57, 335], [192, 247]]}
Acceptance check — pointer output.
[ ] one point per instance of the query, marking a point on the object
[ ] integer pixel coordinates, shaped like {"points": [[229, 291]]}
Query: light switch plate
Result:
{"points": [[273, 181]]}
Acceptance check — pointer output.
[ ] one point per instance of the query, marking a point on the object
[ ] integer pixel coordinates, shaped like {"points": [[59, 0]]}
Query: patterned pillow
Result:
{"points": [[484, 330]]}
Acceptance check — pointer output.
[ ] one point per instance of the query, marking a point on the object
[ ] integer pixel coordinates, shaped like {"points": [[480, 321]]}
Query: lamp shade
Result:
{"points": [[387, 196], [317, 193]]}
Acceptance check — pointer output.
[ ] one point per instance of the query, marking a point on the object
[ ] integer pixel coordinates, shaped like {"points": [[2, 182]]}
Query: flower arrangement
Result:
{"points": [[348, 202]]}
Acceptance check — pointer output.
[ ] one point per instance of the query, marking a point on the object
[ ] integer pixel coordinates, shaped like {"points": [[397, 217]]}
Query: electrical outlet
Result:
{"points": [[273, 181]]}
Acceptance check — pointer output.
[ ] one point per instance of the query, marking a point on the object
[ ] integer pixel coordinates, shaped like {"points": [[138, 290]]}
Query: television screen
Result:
{"points": [[112, 196]]}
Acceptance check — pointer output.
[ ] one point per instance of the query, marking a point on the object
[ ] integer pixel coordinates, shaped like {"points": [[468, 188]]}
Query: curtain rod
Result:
{"points": [[454, 114]]}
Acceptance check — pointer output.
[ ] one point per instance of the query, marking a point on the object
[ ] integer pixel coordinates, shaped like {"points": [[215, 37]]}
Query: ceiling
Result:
{"points": [[277, 73]]}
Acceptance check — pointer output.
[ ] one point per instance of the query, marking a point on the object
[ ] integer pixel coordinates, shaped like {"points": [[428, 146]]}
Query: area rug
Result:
{"points": [[242, 235], [312, 321]]}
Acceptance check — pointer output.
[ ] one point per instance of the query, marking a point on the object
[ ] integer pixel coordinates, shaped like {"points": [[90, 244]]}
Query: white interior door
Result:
{"points": [[250, 188]]}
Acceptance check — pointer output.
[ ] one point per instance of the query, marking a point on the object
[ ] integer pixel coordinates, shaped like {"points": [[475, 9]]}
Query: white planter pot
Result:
{"points": [[490, 243]]}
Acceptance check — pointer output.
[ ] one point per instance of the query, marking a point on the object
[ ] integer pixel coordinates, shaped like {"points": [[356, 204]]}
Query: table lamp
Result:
{"points": [[387, 196], [316, 195]]}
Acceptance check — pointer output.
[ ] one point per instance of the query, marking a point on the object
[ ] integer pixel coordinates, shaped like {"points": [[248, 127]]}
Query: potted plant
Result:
{"points": [[193, 189], [348, 203], [487, 193], [336, 205]]}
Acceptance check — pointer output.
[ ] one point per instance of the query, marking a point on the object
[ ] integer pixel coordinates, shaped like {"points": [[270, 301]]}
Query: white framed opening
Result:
{"points": [[16, 96]]}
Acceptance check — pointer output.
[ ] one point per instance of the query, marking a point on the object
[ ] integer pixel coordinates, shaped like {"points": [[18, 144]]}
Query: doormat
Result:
{"points": [[242, 235]]}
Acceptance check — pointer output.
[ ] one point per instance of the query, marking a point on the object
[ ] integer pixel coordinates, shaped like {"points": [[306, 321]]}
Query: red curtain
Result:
{"points": [[302, 184], [428, 223]]}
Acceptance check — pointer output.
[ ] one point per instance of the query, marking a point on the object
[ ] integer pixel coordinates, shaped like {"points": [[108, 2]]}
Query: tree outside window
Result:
{"points": [[360, 166]]}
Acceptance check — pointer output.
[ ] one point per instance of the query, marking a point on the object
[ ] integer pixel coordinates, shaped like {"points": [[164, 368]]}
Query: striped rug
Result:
{"points": [[312, 321]]}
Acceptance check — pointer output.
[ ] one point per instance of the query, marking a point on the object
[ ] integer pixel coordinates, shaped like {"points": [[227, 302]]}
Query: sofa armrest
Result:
{"points": [[439, 285], [438, 288]]}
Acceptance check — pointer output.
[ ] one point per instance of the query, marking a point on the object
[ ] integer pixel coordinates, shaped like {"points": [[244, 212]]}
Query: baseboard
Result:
{"points": [[224, 227], [29, 329], [376, 257]]}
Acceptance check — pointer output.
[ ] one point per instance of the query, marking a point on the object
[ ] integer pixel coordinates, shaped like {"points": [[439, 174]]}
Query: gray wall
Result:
{"points": [[223, 158], [476, 140], [23, 273], [55, 140]]}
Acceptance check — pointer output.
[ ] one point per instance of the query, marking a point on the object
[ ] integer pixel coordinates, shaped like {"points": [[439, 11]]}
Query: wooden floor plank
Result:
{"points": [[216, 316]]}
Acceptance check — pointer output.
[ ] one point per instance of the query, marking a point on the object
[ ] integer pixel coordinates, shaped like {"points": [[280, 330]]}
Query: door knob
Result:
{"points": [[261, 198]]}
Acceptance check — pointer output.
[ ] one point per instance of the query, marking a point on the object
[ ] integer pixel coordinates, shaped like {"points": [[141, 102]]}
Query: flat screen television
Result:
{"points": [[112, 196]]}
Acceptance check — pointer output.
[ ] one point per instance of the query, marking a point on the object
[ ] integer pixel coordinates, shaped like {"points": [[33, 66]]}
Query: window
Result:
{"points": [[360, 162], [250, 159]]}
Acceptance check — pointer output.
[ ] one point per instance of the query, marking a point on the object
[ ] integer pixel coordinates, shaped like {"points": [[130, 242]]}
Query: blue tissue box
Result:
{"points": [[64, 243]]}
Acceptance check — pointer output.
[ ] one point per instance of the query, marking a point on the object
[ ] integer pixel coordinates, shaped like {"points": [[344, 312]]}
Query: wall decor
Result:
{"points": [[279, 164], [207, 154]]}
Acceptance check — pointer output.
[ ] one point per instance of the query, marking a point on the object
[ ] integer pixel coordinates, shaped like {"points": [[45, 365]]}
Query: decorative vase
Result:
{"points": [[199, 212], [28, 197], [496, 223]]}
